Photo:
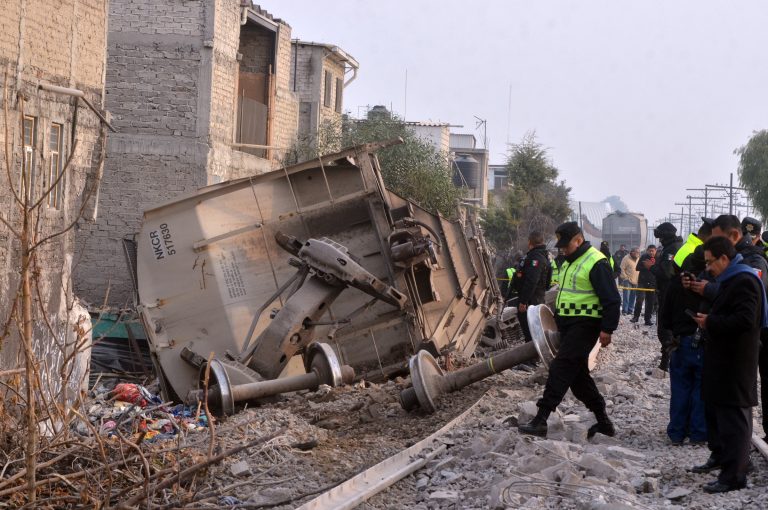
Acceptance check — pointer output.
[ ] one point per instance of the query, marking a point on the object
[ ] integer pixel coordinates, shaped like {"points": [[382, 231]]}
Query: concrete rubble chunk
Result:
{"points": [[603, 439], [577, 433], [240, 468], [677, 493], [597, 467], [619, 452], [658, 373], [526, 411], [445, 496], [558, 472], [536, 463], [421, 483]]}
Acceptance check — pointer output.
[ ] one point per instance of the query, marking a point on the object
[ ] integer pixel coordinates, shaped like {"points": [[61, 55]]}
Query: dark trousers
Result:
{"points": [[686, 408], [729, 431], [763, 366], [650, 303], [570, 368], [666, 337], [523, 318]]}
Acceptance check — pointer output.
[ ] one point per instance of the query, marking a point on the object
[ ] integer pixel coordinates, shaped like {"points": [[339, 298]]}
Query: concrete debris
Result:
{"points": [[240, 468], [677, 493]]}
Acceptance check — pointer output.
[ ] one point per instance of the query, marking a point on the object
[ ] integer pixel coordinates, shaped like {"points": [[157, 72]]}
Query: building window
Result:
{"points": [[54, 167], [28, 157], [339, 90], [327, 91], [500, 179]]}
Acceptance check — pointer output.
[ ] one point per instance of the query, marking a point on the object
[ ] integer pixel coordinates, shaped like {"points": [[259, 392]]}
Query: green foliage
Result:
{"points": [[414, 169], [753, 169], [535, 200]]}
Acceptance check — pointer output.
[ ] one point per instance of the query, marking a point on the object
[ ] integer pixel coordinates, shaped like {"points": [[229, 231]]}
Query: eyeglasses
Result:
{"points": [[709, 262]]}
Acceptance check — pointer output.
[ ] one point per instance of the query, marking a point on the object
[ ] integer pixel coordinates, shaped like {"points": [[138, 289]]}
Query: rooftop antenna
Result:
{"points": [[509, 112], [484, 123], [405, 97]]}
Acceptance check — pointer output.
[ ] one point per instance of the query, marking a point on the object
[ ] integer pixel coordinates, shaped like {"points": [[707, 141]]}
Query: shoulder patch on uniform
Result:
{"points": [[534, 263]]}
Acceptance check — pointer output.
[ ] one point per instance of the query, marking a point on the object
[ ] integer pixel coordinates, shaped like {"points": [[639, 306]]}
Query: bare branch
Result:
{"points": [[79, 214], [16, 196]]}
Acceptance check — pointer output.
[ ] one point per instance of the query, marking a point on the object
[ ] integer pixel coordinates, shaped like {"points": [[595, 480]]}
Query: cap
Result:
{"points": [[565, 233], [708, 221], [751, 226], [664, 229]]}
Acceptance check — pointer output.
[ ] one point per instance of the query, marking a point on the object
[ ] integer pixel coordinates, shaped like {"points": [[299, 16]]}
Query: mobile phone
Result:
{"points": [[687, 274], [691, 313]]}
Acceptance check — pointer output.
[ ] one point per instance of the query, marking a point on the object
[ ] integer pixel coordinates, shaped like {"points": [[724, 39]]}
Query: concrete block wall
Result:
{"points": [[171, 88], [308, 80], [257, 49], [156, 75], [285, 121]]}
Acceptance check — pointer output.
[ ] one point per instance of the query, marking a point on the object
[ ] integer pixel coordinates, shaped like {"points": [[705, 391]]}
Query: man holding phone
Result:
{"points": [[729, 382]]}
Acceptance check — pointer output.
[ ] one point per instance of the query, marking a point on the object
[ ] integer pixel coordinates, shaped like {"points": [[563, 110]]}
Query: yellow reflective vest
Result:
{"points": [[577, 297], [686, 249]]}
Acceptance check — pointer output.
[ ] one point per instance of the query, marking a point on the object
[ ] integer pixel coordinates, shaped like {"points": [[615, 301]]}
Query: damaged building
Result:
{"points": [[201, 92], [54, 99]]}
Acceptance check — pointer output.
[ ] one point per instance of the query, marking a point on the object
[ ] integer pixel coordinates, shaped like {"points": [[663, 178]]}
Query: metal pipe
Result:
{"points": [[262, 389], [454, 381]]}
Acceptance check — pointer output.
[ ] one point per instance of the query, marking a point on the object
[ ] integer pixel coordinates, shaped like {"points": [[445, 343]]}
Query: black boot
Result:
{"points": [[603, 425], [537, 426], [664, 363]]}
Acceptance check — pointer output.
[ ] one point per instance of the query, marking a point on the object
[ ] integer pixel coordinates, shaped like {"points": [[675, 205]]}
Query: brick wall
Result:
{"points": [[171, 88], [62, 44], [154, 81], [257, 48]]}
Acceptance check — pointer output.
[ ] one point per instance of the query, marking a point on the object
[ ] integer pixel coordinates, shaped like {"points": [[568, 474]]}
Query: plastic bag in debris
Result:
{"points": [[134, 394]]}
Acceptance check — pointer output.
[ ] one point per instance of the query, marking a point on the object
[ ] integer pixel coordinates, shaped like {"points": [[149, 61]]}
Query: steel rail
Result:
{"points": [[375, 479]]}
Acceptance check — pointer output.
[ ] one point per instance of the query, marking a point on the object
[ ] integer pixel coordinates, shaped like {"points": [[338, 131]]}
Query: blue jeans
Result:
{"points": [[627, 297], [686, 407]]}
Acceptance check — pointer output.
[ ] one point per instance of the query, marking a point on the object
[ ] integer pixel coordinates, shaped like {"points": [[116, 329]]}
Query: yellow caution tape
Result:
{"points": [[636, 288]]}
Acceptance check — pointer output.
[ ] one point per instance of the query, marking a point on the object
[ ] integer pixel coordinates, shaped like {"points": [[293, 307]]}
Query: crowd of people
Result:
{"points": [[709, 296]]}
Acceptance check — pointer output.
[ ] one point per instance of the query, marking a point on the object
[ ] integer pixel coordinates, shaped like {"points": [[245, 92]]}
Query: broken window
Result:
{"points": [[29, 136], [327, 91], [54, 167], [339, 90]]}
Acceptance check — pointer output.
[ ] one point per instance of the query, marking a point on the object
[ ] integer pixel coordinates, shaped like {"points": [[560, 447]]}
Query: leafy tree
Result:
{"points": [[414, 169], [753, 169], [535, 200]]}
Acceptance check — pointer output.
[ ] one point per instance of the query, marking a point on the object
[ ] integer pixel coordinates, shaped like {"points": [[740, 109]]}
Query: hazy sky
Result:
{"points": [[639, 99]]}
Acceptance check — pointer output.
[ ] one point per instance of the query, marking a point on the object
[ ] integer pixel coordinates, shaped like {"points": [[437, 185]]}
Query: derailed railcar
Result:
{"points": [[256, 269]]}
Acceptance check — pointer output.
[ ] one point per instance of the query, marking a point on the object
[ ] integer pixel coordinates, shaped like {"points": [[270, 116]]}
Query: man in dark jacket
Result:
{"points": [[729, 384], [646, 283], [619, 255], [532, 279], [664, 271], [588, 307], [728, 225]]}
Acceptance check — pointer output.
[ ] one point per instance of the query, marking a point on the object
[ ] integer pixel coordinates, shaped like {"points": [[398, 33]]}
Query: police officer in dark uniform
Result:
{"points": [[588, 307], [664, 271], [532, 279]]}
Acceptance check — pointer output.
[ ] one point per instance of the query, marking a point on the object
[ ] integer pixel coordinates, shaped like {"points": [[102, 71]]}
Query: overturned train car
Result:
{"points": [[254, 270]]}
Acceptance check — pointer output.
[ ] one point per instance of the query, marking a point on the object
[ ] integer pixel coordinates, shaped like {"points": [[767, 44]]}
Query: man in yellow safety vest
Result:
{"points": [[587, 309]]}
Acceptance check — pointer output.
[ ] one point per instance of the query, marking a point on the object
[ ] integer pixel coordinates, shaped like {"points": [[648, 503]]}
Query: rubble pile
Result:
{"points": [[284, 452], [488, 464]]}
